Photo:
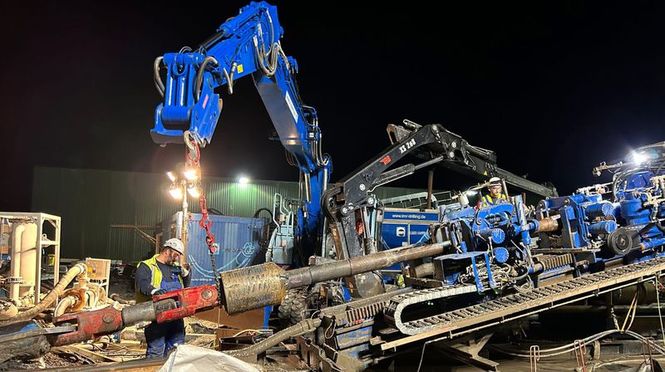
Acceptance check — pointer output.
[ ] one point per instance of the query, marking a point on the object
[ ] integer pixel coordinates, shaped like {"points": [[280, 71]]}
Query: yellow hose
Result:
{"points": [[56, 292], [63, 305]]}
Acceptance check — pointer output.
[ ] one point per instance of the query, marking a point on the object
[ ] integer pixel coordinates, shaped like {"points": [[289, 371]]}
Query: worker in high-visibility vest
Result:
{"points": [[496, 195], [155, 276]]}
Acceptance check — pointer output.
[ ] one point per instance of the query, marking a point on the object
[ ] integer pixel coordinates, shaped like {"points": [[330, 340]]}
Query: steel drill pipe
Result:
{"points": [[266, 284]]}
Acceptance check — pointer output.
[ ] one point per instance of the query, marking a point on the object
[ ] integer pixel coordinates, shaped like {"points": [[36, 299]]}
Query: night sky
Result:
{"points": [[553, 88]]}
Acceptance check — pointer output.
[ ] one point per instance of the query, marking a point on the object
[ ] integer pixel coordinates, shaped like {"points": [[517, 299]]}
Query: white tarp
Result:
{"points": [[198, 359]]}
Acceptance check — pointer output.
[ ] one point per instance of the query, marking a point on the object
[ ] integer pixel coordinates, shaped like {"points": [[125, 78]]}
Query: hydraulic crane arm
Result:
{"points": [[431, 143], [248, 44], [479, 162], [353, 192]]}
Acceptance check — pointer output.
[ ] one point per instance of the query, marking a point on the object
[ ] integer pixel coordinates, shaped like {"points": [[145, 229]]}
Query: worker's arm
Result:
{"points": [[144, 280]]}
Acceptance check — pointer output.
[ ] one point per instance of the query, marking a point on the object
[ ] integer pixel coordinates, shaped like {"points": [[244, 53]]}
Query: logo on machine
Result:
{"points": [[400, 232], [413, 216], [406, 146], [386, 160]]}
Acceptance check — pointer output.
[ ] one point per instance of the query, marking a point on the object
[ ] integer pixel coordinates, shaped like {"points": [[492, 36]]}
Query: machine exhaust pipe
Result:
{"points": [[257, 286]]}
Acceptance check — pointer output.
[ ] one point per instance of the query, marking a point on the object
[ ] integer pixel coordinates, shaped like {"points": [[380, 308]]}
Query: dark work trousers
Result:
{"points": [[161, 338]]}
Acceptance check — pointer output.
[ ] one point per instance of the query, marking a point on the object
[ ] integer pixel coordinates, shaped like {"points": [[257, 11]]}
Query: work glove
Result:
{"points": [[157, 291], [185, 270]]}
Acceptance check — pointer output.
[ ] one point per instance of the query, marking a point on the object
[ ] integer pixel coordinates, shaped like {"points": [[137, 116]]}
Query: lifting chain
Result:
{"points": [[193, 161]]}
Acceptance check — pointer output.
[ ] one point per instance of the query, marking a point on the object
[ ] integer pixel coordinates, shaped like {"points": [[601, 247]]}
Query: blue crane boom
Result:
{"points": [[248, 44]]}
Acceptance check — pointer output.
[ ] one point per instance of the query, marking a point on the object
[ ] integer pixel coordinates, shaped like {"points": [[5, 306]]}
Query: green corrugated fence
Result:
{"points": [[91, 201]]}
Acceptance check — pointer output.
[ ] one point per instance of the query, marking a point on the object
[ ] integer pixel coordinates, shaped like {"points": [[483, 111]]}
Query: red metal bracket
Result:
{"points": [[89, 325], [189, 302]]}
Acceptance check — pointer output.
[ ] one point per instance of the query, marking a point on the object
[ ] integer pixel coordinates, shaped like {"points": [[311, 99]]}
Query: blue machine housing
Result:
{"points": [[628, 223], [585, 220], [577, 233], [642, 208], [497, 229], [483, 240], [402, 227]]}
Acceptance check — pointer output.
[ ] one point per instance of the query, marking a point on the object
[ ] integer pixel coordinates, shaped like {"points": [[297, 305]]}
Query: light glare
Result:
{"points": [[176, 192], [190, 174], [639, 158], [194, 191]]}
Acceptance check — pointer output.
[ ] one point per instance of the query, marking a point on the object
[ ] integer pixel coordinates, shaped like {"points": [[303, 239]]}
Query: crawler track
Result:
{"points": [[512, 306]]}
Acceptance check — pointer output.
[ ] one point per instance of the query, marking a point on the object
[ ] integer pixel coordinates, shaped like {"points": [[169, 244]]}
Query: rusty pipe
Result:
{"points": [[107, 320], [547, 225], [423, 270], [116, 297], [250, 354], [262, 285]]}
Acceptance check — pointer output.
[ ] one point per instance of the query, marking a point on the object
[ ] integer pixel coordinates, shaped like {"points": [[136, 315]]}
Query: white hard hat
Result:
{"points": [[176, 245], [494, 181]]}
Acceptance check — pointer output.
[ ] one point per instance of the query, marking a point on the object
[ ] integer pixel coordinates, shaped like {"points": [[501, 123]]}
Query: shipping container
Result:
{"points": [[241, 243]]}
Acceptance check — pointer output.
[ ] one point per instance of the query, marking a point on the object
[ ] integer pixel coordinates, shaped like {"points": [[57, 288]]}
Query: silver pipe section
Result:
{"points": [[262, 285]]}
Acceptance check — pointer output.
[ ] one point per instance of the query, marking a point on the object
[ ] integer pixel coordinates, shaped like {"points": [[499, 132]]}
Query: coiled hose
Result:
{"points": [[57, 291]]}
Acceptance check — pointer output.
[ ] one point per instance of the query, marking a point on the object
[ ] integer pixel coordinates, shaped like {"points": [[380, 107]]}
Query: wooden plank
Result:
{"points": [[97, 357]]}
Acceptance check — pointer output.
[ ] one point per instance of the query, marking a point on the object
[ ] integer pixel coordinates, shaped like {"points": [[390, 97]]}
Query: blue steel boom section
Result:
{"points": [[248, 44]]}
